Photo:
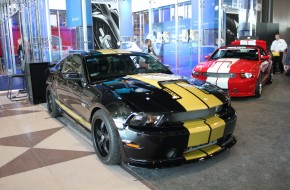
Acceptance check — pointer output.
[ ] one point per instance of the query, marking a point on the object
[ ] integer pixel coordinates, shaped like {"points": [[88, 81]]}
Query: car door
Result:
{"points": [[61, 85], [264, 66], [74, 85], [79, 100]]}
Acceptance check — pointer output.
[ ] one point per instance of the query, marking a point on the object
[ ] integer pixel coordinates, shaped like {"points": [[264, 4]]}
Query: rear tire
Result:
{"points": [[105, 138], [51, 105], [259, 87]]}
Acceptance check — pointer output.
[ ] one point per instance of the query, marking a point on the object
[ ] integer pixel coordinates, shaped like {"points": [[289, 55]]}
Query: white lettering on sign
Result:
{"points": [[75, 19]]}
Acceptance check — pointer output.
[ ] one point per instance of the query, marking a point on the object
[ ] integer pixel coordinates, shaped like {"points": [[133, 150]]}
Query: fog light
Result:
{"points": [[171, 153], [132, 145]]}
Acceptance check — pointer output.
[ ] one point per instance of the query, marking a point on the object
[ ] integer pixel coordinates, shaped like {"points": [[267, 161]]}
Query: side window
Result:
{"points": [[73, 64]]}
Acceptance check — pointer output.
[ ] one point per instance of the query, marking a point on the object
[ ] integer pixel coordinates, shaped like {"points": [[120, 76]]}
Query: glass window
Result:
{"points": [[106, 66], [72, 64]]}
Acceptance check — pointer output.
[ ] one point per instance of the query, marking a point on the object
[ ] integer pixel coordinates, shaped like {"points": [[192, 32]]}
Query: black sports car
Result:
{"points": [[138, 111]]}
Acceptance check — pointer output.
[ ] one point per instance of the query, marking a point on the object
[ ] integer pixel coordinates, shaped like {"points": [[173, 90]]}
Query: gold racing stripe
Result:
{"points": [[147, 79], [73, 115], [202, 132], [209, 99], [110, 51], [211, 149], [217, 125], [194, 155], [187, 100], [105, 51], [198, 132]]}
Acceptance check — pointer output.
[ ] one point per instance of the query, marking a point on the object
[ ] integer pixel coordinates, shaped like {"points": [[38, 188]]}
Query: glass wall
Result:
{"points": [[34, 31], [24, 33], [182, 31]]}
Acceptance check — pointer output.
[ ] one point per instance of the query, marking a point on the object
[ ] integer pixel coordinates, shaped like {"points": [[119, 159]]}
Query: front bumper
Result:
{"points": [[236, 87], [171, 145], [242, 87]]}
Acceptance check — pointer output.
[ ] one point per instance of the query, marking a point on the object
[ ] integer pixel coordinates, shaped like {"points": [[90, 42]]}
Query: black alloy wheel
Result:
{"points": [[105, 138]]}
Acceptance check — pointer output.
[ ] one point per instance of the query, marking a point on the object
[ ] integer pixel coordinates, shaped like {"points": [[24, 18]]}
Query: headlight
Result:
{"points": [[246, 75], [143, 119]]}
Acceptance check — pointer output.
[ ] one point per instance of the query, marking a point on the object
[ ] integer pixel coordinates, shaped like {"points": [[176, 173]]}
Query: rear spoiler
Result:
{"points": [[260, 43]]}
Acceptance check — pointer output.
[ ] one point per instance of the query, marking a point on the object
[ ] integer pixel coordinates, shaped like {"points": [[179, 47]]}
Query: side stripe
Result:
{"points": [[78, 118]]}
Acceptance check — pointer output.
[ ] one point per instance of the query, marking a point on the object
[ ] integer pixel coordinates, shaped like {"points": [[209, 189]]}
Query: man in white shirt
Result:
{"points": [[277, 48]]}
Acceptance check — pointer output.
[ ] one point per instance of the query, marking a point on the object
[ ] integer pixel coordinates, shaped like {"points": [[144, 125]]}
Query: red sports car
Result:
{"points": [[241, 68]]}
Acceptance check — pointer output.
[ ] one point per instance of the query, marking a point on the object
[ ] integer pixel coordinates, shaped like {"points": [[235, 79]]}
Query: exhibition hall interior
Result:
{"points": [[144, 94]]}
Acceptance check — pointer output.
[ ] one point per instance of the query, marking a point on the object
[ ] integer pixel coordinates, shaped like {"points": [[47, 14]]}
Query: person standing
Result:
{"points": [[277, 48], [148, 47]]}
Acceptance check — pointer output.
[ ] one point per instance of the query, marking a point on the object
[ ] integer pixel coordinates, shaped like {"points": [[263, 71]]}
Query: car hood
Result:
{"points": [[165, 93], [226, 65]]}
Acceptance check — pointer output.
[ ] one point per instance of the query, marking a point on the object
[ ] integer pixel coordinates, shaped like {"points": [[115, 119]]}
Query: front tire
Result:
{"points": [[259, 87], [51, 105], [105, 138]]}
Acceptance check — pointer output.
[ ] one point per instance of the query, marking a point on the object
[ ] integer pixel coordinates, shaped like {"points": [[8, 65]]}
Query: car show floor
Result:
{"points": [[39, 152]]}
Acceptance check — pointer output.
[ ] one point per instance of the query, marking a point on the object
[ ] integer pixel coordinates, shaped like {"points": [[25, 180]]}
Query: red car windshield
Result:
{"points": [[236, 53]]}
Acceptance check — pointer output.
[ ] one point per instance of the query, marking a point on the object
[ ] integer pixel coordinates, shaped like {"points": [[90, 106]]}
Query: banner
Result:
{"points": [[106, 31], [74, 13]]}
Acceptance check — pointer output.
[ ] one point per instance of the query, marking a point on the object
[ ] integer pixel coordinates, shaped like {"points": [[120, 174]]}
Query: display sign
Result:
{"points": [[105, 24], [74, 13]]}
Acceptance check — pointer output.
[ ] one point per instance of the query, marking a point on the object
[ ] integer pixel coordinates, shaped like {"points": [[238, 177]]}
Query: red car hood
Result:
{"points": [[226, 65]]}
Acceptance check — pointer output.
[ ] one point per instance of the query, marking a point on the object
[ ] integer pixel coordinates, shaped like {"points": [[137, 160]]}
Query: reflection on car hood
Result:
{"points": [[231, 65], [165, 93]]}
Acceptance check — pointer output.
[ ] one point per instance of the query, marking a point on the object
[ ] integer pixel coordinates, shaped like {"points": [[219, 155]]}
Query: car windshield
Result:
{"points": [[100, 67], [236, 52]]}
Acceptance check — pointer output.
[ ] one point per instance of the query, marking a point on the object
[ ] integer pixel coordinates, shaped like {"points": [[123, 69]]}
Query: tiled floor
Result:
{"points": [[39, 152]]}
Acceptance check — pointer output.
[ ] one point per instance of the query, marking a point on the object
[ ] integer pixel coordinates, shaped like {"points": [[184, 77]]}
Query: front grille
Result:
{"points": [[190, 149], [190, 115], [219, 75]]}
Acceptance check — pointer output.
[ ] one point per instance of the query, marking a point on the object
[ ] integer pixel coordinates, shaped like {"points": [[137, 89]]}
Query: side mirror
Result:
{"points": [[264, 57], [72, 76], [207, 56]]}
